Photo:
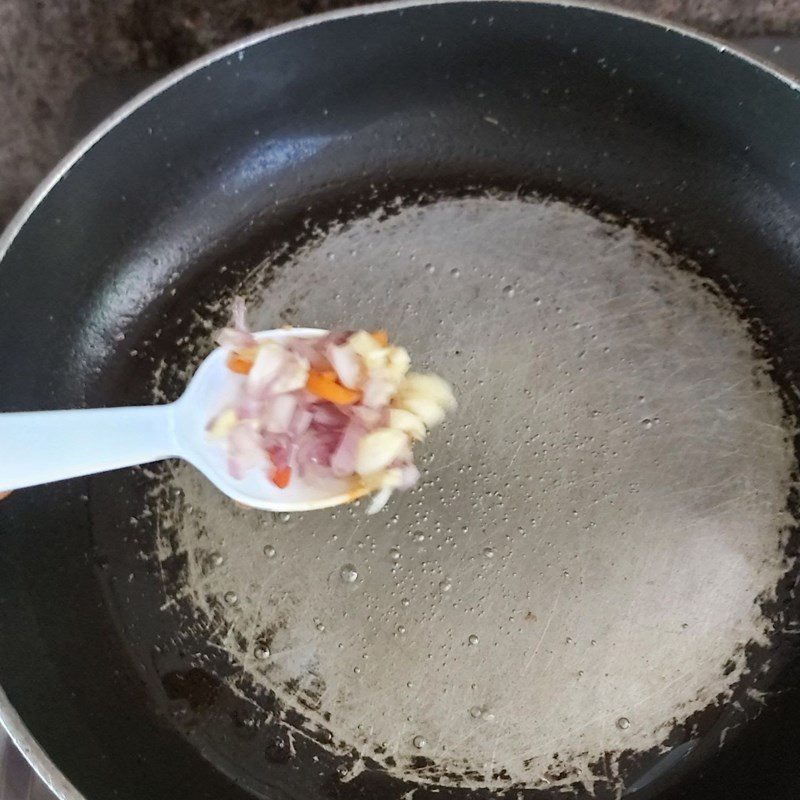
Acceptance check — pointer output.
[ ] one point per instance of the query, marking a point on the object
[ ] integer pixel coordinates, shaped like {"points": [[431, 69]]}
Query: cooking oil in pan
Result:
{"points": [[579, 568]]}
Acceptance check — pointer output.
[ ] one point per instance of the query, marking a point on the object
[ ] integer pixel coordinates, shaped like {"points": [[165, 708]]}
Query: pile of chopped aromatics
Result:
{"points": [[340, 405]]}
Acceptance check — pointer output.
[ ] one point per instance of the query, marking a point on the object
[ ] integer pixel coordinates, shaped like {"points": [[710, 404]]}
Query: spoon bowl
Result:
{"points": [[210, 390], [43, 446]]}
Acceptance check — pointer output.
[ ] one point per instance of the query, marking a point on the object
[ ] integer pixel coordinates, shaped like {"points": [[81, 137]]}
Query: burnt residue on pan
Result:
{"points": [[607, 518]]}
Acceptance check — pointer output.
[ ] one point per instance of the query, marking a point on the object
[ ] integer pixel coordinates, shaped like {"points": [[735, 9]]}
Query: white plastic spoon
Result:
{"points": [[43, 446]]}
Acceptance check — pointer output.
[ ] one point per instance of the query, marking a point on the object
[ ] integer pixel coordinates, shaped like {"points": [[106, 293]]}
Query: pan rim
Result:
{"points": [[10, 720]]}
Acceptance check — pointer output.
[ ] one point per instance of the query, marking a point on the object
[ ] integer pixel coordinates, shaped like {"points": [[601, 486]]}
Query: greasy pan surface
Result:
{"points": [[242, 159]]}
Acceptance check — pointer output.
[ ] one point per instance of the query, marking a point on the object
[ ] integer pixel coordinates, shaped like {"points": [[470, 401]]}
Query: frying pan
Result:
{"points": [[554, 206]]}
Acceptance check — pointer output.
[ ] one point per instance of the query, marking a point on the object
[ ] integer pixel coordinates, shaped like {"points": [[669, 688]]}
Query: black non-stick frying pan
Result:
{"points": [[589, 223]]}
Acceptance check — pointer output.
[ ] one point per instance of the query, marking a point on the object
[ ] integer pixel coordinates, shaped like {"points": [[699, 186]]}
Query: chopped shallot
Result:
{"points": [[342, 405]]}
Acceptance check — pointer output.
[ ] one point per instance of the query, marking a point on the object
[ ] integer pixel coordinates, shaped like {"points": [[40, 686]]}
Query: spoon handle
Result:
{"points": [[43, 446]]}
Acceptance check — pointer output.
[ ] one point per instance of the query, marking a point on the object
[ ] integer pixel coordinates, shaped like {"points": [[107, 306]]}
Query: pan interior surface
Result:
{"points": [[622, 464], [576, 575]]}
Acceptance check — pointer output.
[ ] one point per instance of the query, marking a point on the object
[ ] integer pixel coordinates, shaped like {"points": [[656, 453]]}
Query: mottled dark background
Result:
{"points": [[51, 50]]}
